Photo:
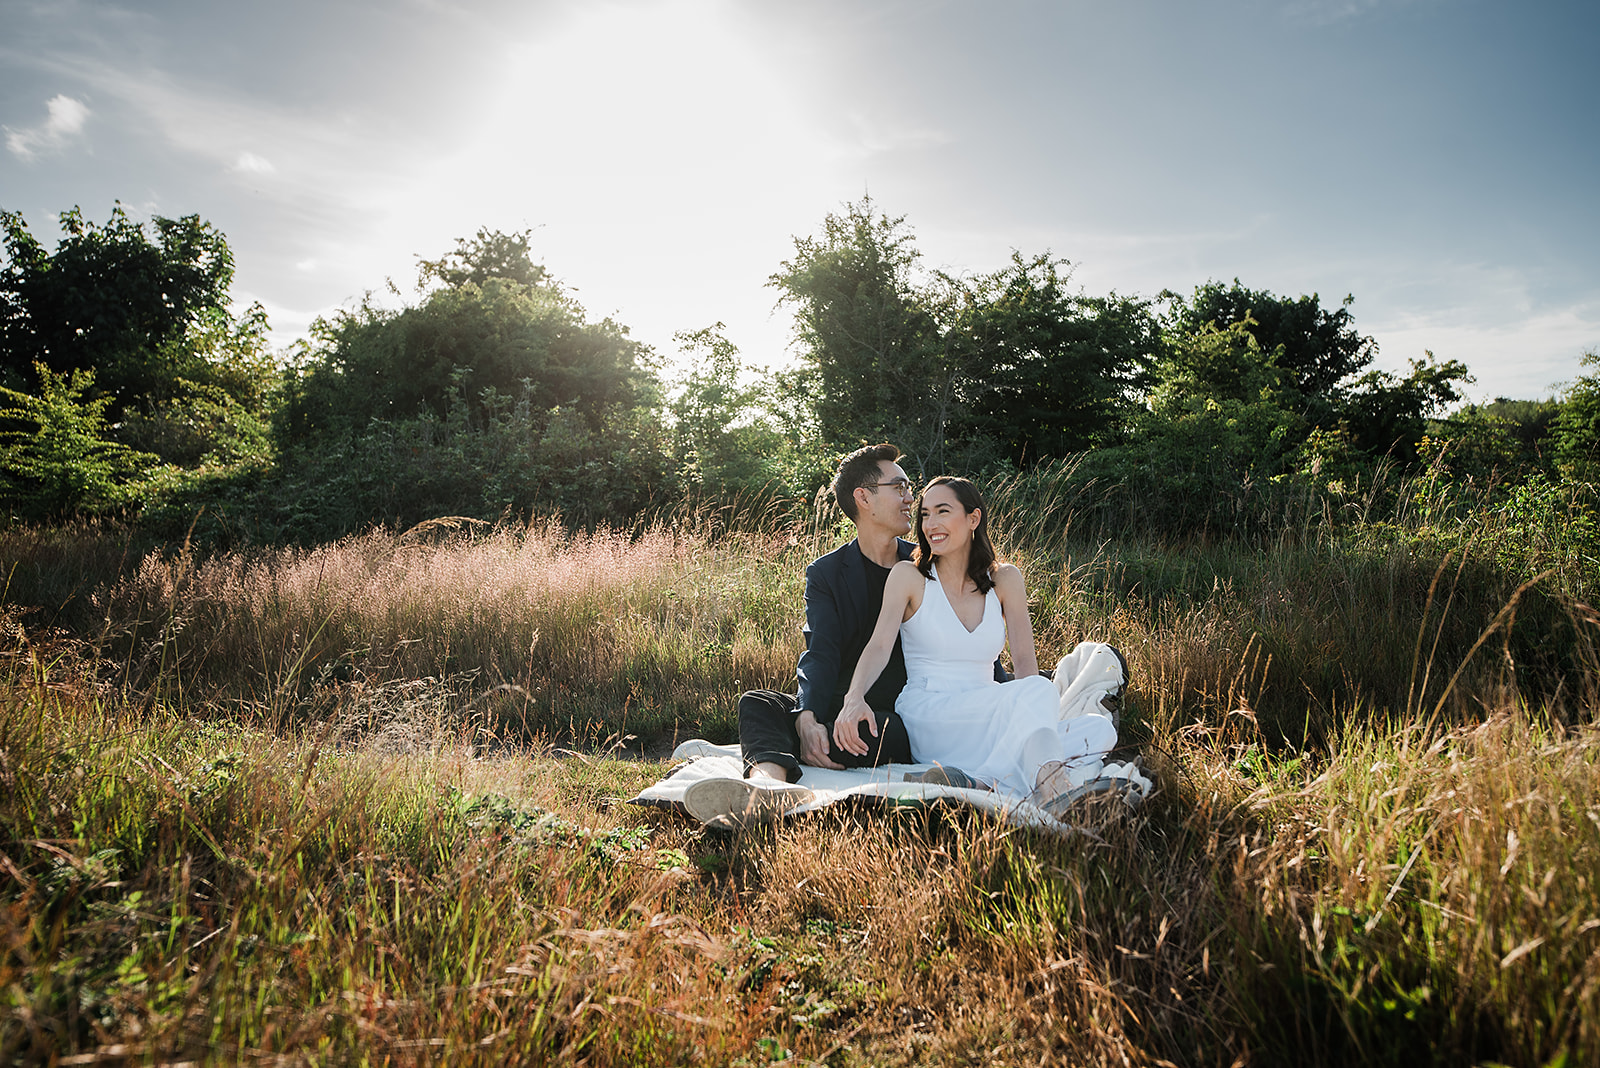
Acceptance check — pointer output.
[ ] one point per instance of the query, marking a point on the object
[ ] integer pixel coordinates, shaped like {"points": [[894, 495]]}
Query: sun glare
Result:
{"points": [[631, 136]]}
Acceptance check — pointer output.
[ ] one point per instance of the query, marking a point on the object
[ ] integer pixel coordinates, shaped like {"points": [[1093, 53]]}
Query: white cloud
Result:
{"points": [[63, 121], [250, 163], [1323, 11], [1532, 355], [316, 160], [1327, 12], [875, 134]]}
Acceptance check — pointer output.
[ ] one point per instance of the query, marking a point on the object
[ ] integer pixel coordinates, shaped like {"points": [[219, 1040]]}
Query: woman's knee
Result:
{"points": [[1089, 733], [1040, 690]]}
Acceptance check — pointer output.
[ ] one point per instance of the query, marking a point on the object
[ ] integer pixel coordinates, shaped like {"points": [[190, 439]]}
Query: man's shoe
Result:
{"points": [[939, 775], [733, 803]]}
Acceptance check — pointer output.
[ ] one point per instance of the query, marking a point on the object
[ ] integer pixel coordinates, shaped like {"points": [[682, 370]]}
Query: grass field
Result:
{"points": [[364, 803]]}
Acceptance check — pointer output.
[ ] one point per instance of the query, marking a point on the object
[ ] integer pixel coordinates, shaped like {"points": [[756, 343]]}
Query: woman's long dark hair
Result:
{"points": [[982, 557]]}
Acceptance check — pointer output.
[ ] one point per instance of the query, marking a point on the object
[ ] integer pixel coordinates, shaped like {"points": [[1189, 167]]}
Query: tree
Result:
{"points": [[148, 315], [1386, 415], [1575, 433], [1318, 348], [868, 334], [1222, 406], [721, 444], [108, 298], [1008, 365], [1216, 428], [1046, 372], [491, 254], [1505, 438], [496, 323]]}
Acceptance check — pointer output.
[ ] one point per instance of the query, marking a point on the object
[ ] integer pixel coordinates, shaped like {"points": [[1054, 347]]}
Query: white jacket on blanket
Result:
{"points": [[1085, 676]]}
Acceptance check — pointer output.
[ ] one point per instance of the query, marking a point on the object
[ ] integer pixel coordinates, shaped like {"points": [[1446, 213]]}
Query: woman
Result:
{"points": [[955, 606]]}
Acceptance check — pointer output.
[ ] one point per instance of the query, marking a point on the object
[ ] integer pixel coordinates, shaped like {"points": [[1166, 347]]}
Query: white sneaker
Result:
{"points": [[740, 802]]}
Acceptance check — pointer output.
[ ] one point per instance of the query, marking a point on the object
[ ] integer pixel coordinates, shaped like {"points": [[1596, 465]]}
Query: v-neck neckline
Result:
{"points": [[952, 605]]}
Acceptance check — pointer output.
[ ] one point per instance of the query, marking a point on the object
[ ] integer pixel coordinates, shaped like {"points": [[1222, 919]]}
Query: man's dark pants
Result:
{"points": [[767, 734]]}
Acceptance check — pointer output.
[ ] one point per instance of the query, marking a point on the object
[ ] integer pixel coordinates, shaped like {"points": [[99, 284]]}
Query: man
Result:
{"points": [[779, 733]]}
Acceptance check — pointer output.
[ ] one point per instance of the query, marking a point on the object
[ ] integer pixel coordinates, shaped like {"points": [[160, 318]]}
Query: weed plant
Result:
{"points": [[596, 634]]}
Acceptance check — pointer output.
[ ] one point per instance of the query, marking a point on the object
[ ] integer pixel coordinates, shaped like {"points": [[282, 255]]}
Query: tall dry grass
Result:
{"points": [[179, 889], [602, 635], [1306, 639], [52, 574], [277, 804], [231, 897], [1320, 614], [591, 633]]}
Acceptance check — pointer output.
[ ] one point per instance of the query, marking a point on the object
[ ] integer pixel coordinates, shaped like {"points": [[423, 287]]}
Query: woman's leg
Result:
{"points": [[1088, 735], [1037, 701], [1041, 747]]}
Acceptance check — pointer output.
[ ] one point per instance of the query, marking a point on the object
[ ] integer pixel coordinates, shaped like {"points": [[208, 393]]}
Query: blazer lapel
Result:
{"points": [[855, 586]]}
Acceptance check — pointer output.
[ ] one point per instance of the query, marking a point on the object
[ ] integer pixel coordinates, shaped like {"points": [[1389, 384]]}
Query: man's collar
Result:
{"points": [[899, 553]]}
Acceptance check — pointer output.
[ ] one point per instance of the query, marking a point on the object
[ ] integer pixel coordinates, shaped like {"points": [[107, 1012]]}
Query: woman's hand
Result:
{"points": [[901, 597], [846, 729]]}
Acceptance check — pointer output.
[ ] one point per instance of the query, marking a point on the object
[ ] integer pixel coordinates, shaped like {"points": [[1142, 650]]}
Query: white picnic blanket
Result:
{"points": [[886, 783]]}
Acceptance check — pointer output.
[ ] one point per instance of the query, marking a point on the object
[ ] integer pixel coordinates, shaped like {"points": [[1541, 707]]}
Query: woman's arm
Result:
{"points": [[899, 593], [1013, 593]]}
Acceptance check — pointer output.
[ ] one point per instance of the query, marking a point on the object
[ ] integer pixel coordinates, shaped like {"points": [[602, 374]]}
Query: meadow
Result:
{"points": [[365, 802]]}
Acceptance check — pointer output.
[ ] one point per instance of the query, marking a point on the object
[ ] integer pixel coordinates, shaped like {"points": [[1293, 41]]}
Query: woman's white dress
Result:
{"points": [[957, 715]]}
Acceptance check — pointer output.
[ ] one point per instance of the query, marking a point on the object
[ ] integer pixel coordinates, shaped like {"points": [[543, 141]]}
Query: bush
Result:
{"points": [[57, 461], [515, 460]]}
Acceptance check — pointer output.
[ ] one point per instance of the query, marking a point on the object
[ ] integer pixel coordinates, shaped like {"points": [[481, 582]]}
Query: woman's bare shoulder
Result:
{"points": [[1007, 578], [905, 573]]}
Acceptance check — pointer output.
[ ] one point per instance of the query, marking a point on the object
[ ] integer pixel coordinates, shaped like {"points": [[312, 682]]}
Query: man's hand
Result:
{"points": [[846, 729], [814, 742]]}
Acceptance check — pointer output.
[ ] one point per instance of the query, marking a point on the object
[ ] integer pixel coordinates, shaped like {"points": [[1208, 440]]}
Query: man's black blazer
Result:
{"points": [[837, 630]]}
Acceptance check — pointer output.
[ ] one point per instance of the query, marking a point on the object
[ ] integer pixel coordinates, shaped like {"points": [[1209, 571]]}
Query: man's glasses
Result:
{"points": [[904, 487]]}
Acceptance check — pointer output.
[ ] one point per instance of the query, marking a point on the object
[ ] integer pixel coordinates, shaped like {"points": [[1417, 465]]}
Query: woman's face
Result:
{"points": [[945, 523]]}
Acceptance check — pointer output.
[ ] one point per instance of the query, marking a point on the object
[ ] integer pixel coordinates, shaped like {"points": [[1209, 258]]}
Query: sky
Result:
{"points": [[1439, 160]]}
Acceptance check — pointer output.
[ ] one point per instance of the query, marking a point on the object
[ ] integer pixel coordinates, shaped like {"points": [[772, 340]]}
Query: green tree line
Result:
{"points": [[130, 385]]}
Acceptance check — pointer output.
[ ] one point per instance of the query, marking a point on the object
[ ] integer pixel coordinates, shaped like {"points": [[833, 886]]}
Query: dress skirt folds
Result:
{"points": [[957, 715]]}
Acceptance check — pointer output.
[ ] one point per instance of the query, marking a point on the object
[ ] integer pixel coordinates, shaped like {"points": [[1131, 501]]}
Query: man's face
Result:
{"points": [[886, 507]]}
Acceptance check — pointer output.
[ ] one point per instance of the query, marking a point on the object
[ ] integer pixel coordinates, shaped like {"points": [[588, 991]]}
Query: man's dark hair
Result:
{"points": [[859, 469]]}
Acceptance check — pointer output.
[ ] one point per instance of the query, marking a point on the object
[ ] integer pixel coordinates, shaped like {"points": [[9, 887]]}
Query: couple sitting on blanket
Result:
{"points": [[901, 663]]}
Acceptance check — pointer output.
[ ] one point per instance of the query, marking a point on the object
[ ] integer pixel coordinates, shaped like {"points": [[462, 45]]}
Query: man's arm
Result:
{"points": [[818, 670]]}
